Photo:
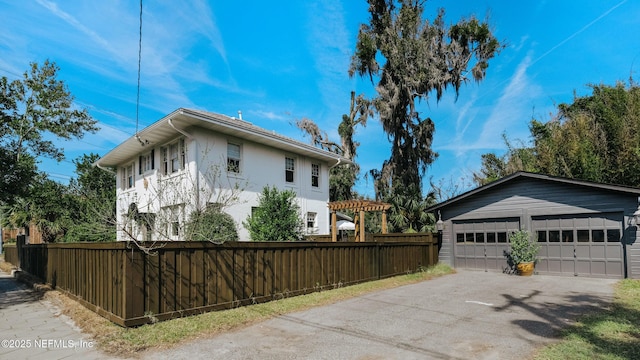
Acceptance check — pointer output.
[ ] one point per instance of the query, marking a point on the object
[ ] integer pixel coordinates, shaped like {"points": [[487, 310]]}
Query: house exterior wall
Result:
{"points": [[205, 179], [525, 198]]}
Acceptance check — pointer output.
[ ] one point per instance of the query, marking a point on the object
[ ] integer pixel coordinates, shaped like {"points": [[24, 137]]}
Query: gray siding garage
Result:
{"points": [[584, 228]]}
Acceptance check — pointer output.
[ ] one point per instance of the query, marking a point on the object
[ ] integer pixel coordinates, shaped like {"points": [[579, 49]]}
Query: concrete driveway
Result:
{"points": [[468, 315]]}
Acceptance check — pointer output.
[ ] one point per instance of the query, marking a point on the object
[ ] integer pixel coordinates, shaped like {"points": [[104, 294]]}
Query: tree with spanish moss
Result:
{"points": [[342, 178], [411, 58]]}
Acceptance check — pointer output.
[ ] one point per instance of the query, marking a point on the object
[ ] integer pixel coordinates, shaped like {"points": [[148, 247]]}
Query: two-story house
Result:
{"points": [[192, 159]]}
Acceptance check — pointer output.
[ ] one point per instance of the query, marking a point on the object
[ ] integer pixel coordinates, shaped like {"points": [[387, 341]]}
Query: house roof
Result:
{"points": [[528, 175], [179, 122]]}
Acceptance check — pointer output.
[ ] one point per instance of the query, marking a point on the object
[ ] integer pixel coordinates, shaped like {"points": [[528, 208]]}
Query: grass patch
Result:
{"points": [[5, 266], [119, 341], [611, 334]]}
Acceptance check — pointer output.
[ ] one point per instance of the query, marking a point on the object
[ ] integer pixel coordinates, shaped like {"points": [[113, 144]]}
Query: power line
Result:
{"points": [[139, 63]]}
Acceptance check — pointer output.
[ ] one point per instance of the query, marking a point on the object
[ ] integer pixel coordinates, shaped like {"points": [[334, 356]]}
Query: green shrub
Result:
{"points": [[277, 217], [523, 249], [211, 225]]}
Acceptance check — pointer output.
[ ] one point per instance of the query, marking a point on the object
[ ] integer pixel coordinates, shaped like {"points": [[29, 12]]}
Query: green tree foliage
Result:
{"points": [[94, 192], [48, 205], [516, 159], [342, 178], [277, 217], [84, 210], [412, 58], [211, 225], [31, 107], [596, 138], [15, 174], [408, 214]]}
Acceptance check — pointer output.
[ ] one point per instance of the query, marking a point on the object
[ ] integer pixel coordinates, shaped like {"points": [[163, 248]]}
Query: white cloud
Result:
{"points": [[267, 115], [509, 110]]}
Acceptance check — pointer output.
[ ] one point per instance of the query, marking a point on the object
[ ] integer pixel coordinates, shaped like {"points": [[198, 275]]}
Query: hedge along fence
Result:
{"points": [[132, 288]]}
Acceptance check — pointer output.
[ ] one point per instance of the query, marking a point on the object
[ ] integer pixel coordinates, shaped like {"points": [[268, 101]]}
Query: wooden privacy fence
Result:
{"points": [[10, 252], [131, 288]]}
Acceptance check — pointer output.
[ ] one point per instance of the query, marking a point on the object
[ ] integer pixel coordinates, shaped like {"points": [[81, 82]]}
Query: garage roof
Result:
{"points": [[524, 175], [181, 119]]}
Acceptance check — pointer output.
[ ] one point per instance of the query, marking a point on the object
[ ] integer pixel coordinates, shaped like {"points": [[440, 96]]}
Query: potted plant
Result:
{"points": [[523, 252]]}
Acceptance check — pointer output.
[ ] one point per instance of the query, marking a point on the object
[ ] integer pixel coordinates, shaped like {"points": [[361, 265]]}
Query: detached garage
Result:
{"points": [[584, 228]]}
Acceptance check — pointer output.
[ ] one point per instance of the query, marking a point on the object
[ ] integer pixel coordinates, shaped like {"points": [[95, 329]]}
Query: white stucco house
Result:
{"points": [[191, 159]]}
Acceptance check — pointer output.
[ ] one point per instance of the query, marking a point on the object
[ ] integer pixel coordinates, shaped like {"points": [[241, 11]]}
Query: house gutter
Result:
{"points": [[96, 164]]}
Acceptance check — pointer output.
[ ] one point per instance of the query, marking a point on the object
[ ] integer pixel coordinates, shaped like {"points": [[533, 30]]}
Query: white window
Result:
{"points": [[290, 168], [315, 175], [147, 225], [146, 162], [311, 221], [173, 157], [127, 227], [174, 221], [233, 158], [128, 177]]}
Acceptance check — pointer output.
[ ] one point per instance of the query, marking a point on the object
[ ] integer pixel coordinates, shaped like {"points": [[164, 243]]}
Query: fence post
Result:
{"points": [[20, 243], [133, 292], [378, 255]]}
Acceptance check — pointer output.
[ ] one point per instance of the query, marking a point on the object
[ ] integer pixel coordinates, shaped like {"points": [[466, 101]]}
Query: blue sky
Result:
{"points": [[279, 61]]}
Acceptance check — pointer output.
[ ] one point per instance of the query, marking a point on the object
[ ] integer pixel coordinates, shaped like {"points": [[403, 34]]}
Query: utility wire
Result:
{"points": [[139, 62]]}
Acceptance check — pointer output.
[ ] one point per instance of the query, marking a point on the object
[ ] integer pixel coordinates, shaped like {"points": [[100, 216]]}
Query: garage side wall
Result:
{"points": [[527, 198]]}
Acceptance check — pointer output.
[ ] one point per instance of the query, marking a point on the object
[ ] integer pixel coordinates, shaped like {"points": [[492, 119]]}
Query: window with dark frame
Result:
{"points": [[311, 220], [542, 236], [567, 235], [597, 235], [613, 235], [290, 167], [233, 158], [175, 228], [315, 175], [583, 235]]}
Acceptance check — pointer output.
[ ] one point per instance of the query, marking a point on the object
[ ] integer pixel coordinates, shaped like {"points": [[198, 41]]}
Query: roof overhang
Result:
{"points": [[542, 177], [182, 121]]}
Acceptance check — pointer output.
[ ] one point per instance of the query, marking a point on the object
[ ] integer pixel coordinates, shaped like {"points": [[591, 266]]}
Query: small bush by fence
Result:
{"points": [[131, 288]]}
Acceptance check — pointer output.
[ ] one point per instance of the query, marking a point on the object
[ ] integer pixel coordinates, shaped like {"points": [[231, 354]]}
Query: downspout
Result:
{"points": [[179, 130], [332, 227], [197, 173], [336, 164]]}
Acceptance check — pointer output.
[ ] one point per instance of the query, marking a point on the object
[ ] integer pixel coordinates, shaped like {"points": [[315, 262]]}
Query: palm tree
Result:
{"points": [[408, 214]]}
